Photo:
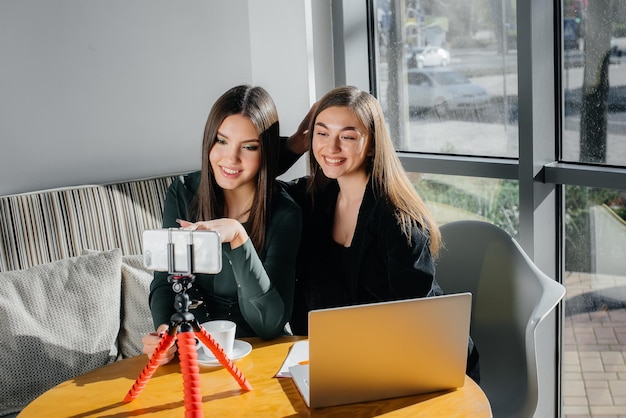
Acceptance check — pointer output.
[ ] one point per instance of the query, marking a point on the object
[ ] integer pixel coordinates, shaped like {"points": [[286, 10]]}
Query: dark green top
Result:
{"points": [[256, 292]]}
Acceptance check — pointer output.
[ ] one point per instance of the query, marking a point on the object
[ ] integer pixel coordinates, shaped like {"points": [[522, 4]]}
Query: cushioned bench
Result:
{"points": [[73, 289]]}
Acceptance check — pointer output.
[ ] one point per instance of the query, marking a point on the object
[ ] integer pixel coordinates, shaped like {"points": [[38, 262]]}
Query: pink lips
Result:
{"points": [[229, 172], [333, 161]]}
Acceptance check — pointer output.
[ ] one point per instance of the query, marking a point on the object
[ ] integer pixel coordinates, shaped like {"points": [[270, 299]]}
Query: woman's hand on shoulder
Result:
{"points": [[299, 142], [230, 230]]}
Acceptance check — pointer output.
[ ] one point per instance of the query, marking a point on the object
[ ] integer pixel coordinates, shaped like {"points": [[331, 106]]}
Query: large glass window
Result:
{"points": [[455, 198], [594, 131], [594, 334], [594, 81], [447, 75]]}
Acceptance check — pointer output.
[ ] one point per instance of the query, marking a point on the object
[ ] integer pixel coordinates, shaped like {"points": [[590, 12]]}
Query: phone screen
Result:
{"points": [[206, 250]]}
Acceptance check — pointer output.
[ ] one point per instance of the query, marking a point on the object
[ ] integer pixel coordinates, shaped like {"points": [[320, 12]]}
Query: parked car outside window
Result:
{"points": [[444, 90], [428, 56]]}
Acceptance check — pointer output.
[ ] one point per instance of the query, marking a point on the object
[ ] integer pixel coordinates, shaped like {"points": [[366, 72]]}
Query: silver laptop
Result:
{"points": [[385, 350]]}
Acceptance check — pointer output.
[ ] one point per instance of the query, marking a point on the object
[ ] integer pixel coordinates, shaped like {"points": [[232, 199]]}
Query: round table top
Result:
{"points": [[101, 392]]}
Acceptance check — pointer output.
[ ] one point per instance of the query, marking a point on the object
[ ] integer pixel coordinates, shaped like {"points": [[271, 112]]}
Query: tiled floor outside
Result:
{"points": [[594, 346]]}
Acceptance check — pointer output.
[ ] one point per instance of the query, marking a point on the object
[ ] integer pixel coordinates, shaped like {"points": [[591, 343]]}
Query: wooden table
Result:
{"points": [[100, 393]]}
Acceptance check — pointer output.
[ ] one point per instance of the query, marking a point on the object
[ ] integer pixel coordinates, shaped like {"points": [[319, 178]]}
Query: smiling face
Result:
{"points": [[340, 143], [236, 154]]}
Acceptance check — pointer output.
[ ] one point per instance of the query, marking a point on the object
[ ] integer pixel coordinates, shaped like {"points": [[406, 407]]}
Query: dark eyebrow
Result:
{"points": [[346, 128], [221, 135]]}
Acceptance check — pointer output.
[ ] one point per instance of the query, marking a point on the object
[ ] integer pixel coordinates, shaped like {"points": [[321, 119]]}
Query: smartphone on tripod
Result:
{"points": [[205, 246]]}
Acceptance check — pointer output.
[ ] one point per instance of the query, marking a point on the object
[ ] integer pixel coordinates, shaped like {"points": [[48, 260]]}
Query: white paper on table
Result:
{"points": [[298, 354]]}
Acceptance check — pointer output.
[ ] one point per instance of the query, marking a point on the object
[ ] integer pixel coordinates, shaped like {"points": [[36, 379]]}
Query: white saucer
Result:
{"points": [[240, 350]]}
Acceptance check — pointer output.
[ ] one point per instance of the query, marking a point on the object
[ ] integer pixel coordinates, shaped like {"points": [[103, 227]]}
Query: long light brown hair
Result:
{"points": [[389, 179], [256, 104]]}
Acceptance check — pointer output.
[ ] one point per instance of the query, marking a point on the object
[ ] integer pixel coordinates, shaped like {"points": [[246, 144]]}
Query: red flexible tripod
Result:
{"points": [[183, 326]]}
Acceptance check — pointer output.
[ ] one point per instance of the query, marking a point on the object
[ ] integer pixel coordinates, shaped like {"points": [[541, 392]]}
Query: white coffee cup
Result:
{"points": [[223, 332]]}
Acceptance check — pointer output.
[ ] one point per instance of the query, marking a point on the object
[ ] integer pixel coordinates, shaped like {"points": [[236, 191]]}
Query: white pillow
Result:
{"points": [[57, 320], [136, 315]]}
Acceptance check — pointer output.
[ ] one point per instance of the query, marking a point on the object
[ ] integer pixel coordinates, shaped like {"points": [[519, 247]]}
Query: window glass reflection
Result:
{"points": [[455, 198], [594, 82], [594, 334], [447, 75]]}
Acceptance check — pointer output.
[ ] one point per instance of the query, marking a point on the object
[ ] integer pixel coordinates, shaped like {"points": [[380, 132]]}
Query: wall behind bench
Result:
{"points": [[101, 91]]}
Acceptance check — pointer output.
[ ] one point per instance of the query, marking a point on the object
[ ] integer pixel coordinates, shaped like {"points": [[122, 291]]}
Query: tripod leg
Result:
{"points": [[153, 364], [219, 354], [191, 372]]}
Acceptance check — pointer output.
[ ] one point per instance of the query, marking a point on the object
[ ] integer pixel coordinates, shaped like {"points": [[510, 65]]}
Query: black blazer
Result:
{"points": [[383, 265]]}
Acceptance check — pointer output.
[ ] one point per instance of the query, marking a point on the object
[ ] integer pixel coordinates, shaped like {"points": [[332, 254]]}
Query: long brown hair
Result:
{"points": [[389, 178], [256, 104]]}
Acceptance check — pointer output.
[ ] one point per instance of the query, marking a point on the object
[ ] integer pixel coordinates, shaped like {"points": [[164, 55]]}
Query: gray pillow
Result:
{"points": [[136, 315], [57, 320]]}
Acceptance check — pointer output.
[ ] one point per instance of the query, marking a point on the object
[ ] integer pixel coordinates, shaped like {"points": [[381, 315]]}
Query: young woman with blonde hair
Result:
{"points": [[367, 235]]}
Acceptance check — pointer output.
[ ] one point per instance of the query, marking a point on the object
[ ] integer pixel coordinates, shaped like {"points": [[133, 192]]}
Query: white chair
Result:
{"points": [[511, 296]]}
